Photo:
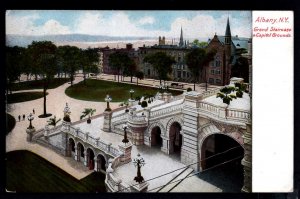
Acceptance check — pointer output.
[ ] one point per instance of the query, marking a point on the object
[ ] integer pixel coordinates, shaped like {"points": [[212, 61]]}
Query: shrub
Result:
{"points": [[189, 89], [144, 104], [67, 118]]}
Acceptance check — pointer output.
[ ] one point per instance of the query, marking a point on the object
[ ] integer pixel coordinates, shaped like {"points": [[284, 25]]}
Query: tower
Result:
{"points": [[181, 39], [227, 66]]}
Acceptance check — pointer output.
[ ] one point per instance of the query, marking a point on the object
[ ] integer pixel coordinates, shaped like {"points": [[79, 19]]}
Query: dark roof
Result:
{"points": [[239, 42]]}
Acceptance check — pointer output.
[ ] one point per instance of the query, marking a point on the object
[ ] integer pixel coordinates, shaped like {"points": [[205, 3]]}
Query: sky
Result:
{"points": [[195, 24]]}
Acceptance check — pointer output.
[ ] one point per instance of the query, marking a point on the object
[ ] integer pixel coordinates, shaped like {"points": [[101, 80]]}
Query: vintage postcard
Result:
{"points": [[147, 101]]}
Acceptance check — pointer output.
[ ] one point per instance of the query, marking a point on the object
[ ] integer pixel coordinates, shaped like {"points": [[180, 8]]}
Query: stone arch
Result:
{"points": [[210, 129], [71, 147], [101, 162], [80, 151], [170, 122], [153, 125], [90, 155]]}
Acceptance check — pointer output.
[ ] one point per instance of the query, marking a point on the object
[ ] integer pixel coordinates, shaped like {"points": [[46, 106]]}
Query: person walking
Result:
{"points": [[19, 118], [23, 116], [33, 111]]}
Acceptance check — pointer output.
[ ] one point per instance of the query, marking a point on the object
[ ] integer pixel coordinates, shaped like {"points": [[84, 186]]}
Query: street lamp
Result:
{"points": [[108, 99], [139, 162], [30, 118], [125, 140], [131, 93]]}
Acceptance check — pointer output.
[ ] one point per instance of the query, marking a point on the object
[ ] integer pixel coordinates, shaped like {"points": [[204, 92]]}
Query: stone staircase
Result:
{"points": [[176, 180]]}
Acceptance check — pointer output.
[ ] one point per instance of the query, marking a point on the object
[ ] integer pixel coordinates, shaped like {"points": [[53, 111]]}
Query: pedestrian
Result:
{"points": [[19, 118], [23, 116], [33, 111]]}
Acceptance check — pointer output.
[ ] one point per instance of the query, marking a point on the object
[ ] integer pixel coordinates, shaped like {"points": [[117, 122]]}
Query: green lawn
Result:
{"points": [[96, 90], [23, 97], [38, 84], [28, 172], [10, 123]]}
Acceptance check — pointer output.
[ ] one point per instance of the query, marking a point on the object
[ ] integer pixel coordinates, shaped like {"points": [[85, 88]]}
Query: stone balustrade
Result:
{"points": [[166, 110]]}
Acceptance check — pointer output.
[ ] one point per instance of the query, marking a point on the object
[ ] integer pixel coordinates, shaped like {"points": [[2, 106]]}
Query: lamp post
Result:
{"points": [[139, 162], [131, 93], [30, 118], [108, 99], [125, 140]]}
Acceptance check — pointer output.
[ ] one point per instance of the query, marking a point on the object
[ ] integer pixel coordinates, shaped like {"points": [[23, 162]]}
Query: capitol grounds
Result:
{"points": [[81, 176]]}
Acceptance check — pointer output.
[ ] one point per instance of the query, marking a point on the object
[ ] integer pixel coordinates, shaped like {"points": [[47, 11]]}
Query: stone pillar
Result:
{"points": [[160, 96], [46, 132], [30, 133], [130, 102], [76, 153], [189, 149], [137, 126], [95, 163], [167, 97], [126, 151], [64, 143], [85, 158], [247, 160], [107, 121], [165, 145], [139, 187]]}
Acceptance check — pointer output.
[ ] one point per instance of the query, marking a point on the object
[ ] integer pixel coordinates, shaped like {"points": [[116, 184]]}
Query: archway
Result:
{"points": [[220, 162], [90, 159], [101, 163], [175, 142], [156, 139], [71, 147], [80, 152]]}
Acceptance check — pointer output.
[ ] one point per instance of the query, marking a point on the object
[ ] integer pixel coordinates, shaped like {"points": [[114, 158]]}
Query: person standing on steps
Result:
{"points": [[23, 116], [19, 118], [33, 111]]}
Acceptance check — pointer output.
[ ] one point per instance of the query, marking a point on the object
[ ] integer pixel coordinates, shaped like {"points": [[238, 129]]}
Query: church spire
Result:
{"points": [[181, 38], [228, 34]]}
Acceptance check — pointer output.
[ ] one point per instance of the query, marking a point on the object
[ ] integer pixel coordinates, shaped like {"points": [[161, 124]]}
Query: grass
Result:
{"points": [[23, 97], [38, 84], [10, 123], [96, 90], [28, 172]]}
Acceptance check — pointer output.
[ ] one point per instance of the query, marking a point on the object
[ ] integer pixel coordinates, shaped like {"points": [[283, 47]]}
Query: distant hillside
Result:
{"points": [[24, 40]]}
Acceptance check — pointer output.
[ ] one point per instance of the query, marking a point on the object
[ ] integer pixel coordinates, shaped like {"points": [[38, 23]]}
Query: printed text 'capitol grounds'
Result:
{"points": [[266, 27]]}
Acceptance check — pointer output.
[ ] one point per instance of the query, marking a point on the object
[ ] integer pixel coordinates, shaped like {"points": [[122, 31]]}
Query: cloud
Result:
{"points": [[146, 20], [24, 25]]}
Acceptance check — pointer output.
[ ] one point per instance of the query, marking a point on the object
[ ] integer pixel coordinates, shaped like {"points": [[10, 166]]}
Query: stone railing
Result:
{"points": [[211, 92], [115, 184], [119, 117], [166, 110], [137, 118], [223, 112], [95, 142]]}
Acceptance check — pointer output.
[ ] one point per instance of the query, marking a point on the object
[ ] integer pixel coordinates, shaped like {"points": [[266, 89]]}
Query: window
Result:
{"points": [[183, 74], [218, 63], [218, 72], [148, 71], [218, 81], [212, 64], [179, 74], [212, 72], [211, 80]]}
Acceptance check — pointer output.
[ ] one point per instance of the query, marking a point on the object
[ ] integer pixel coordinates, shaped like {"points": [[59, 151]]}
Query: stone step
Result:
{"points": [[177, 180]]}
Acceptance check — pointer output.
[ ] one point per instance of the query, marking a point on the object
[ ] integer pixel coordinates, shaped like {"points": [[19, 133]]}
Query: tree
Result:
{"points": [[241, 69], [14, 57], [43, 59], [196, 59], [69, 57], [199, 44], [88, 112], [130, 69], [89, 59], [53, 121], [119, 61], [139, 75], [225, 95], [161, 62]]}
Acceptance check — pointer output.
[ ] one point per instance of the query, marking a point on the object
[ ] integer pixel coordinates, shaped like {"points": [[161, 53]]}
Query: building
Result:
{"points": [[229, 49], [180, 71], [106, 51]]}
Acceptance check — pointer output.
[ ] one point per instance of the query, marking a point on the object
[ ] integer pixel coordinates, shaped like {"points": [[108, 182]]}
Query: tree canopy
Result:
{"points": [[161, 62], [241, 69], [120, 61]]}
